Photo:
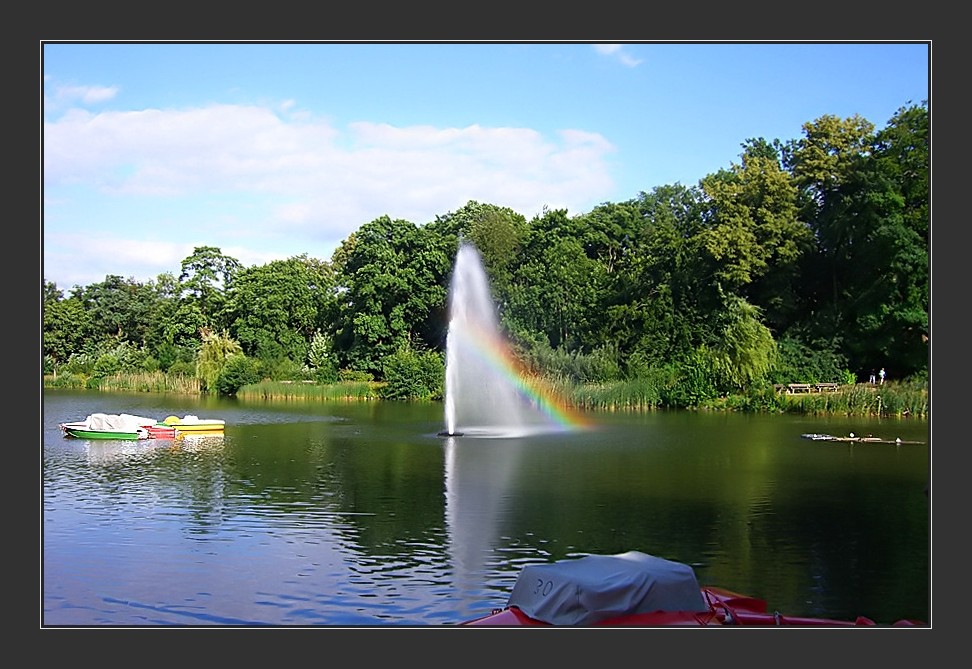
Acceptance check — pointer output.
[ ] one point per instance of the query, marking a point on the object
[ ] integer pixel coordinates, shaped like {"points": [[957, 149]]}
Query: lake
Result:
{"points": [[360, 514]]}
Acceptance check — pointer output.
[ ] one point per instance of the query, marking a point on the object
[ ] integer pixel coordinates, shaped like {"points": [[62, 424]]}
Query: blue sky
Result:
{"points": [[272, 150]]}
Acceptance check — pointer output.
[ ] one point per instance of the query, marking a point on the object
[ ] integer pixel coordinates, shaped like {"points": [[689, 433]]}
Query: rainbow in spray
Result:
{"points": [[536, 394], [488, 392]]}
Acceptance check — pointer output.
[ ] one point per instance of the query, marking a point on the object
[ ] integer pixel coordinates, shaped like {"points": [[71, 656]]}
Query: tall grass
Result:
{"points": [[284, 390], [628, 395], [890, 399], [140, 382], [897, 399]]}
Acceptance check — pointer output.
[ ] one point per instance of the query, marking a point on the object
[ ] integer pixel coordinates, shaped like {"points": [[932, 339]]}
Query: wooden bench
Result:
{"points": [[794, 388], [827, 387]]}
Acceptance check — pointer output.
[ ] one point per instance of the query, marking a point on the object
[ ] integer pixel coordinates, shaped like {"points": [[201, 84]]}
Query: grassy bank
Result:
{"points": [[899, 399], [890, 399]]}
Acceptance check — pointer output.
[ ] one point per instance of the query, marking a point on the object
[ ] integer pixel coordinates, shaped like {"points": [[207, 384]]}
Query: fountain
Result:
{"points": [[486, 395]]}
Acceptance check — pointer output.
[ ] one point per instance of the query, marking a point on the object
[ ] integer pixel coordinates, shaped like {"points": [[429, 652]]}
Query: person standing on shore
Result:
{"points": [[873, 379], [881, 374]]}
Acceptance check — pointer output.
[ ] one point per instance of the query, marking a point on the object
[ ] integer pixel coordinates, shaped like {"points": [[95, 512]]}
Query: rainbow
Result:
{"points": [[494, 351]]}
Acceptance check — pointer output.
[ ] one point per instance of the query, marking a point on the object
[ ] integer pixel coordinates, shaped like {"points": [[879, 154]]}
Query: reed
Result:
{"points": [[139, 382], [899, 399], [628, 395], [889, 399], [344, 391]]}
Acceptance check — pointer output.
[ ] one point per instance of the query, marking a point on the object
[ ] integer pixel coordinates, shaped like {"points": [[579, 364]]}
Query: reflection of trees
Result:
{"points": [[792, 528], [399, 485]]}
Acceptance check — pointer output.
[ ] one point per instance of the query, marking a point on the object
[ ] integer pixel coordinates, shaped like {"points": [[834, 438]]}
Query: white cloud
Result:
{"points": [[271, 185], [85, 94], [618, 52]]}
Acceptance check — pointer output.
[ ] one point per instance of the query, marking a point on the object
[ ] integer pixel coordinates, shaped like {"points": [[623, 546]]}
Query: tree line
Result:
{"points": [[805, 261]]}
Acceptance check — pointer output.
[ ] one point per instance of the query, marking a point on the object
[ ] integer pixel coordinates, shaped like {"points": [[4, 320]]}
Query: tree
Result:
{"points": [[214, 353], [498, 234], [753, 234], [554, 288], [206, 276], [274, 310], [661, 292], [66, 327], [321, 358], [867, 278], [391, 281], [120, 309], [902, 157], [745, 352]]}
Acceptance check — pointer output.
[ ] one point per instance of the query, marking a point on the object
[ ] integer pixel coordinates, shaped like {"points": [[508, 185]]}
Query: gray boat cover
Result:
{"points": [[586, 590]]}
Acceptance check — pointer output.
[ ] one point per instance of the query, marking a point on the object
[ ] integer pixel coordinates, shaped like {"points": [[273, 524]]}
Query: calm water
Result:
{"points": [[307, 514]]}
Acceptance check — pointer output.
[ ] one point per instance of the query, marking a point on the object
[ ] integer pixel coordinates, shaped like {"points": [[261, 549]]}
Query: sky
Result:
{"points": [[273, 150]]}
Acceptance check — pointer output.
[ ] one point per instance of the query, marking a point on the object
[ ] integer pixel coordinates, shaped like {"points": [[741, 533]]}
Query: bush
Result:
{"points": [[80, 364], [325, 373], [106, 365], [690, 382], [799, 363], [355, 376], [413, 376], [182, 368], [284, 369], [238, 371]]}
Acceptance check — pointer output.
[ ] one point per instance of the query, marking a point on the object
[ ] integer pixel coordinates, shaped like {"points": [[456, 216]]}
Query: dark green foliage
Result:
{"points": [[392, 277], [238, 371], [690, 381], [182, 368], [798, 362], [600, 365], [411, 375]]}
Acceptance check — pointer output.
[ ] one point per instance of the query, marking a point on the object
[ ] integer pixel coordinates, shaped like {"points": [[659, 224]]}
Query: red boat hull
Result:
{"points": [[161, 432], [725, 608]]}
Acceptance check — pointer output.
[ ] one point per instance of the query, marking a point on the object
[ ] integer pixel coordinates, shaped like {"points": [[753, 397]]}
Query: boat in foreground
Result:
{"points": [[635, 589]]}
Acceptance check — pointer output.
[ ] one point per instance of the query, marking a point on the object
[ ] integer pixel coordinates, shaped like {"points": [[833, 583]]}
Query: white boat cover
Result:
{"points": [[108, 422], [586, 590]]}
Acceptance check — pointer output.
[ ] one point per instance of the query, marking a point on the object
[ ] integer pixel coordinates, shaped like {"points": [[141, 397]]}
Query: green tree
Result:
{"points": [[205, 277], [867, 278], [120, 310], [66, 327], [745, 352], [321, 358], [391, 282], [214, 353], [898, 325], [498, 233], [661, 294], [753, 234], [555, 287], [824, 163], [274, 310]]}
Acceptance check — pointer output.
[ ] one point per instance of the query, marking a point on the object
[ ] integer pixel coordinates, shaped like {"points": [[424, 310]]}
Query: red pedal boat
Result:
{"points": [[637, 590], [161, 431]]}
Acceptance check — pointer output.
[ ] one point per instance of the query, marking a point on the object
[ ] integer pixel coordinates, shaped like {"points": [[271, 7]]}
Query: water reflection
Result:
{"points": [[362, 515], [478, 477]]}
